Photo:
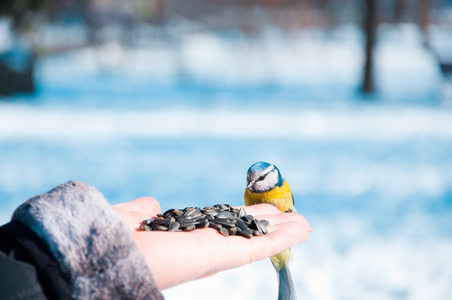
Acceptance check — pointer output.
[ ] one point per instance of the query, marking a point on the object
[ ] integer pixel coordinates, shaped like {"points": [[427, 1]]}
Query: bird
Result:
{"points": [[266, 185]]}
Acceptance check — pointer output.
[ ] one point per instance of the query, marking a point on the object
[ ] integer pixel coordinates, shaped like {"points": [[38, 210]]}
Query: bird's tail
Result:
{"points": [[286, 287]]}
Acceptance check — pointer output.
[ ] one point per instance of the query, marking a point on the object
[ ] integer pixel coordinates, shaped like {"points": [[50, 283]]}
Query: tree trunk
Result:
{"points": [[399, 11], [424, 18], [370, 26]]}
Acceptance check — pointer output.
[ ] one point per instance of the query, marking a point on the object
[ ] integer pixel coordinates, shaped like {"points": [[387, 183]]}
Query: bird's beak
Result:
{"points": [[251, 184]]}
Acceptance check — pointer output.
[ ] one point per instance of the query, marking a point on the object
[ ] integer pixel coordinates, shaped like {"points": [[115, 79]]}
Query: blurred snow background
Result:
{"points": [[372, 174]]}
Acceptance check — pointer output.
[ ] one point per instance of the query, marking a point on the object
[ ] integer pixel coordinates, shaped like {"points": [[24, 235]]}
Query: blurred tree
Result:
{"points": [[370, 29], [424, 17], [19, 10], [17, 64], [399, 10]]}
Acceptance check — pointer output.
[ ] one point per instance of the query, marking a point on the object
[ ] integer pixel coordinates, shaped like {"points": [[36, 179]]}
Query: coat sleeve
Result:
{"points": [[92, 245], [27, 268]]}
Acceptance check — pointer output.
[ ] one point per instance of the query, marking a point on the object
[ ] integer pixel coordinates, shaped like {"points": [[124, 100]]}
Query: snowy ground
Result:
{"points": [[372, 175]]}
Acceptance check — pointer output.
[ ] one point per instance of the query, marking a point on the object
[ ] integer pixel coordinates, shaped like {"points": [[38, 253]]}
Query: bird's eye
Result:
{"points": [[261, 178]]}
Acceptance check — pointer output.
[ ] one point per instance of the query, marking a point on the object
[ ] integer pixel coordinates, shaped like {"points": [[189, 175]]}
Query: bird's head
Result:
{"points": [[262, 177]]}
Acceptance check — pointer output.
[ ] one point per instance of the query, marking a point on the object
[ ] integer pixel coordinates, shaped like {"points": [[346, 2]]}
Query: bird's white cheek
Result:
{"points": [[260, 186], [250, 184]]}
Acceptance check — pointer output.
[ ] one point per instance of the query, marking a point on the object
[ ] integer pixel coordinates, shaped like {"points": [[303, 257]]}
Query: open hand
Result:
{"points": [[178, 257]]}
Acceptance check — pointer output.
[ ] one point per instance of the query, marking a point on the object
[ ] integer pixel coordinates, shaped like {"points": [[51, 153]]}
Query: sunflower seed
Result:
{"points": [[173, 212], [242, 225], [188, 223], [256, 232], [147, 221], [192, 212], [232, 230], [224, 222], [144, 227], [260, 226], [208, 208], [248, 218], [163, 221], [159, 227], [224, 231], [189, 228], [244, 233], [211, 213], [201, 219], [224, 215], [264, 222], [215, 226], [173, 226], [203, 224], [222, 206]]}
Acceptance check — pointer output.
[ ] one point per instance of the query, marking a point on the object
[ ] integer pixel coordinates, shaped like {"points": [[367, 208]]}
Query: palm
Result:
{"points": [[177, 257]]}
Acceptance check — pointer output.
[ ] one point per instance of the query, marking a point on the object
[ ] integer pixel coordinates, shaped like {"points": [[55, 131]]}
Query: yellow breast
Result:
{"points": [[279, 196]]}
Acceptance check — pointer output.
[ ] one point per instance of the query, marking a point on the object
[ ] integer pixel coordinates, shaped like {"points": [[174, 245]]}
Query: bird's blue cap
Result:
{"points": [[259, 166], [262, 165]]}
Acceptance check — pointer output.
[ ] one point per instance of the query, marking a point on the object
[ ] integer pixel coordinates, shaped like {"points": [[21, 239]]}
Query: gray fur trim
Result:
{"points": [[91, 242]]}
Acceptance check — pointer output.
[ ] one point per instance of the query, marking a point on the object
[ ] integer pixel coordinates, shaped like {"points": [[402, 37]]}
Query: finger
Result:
{"points": [[144, 205], [285, 217], [260, 247], [240, 251], [283, 239], [298, 233], [261, 209]]}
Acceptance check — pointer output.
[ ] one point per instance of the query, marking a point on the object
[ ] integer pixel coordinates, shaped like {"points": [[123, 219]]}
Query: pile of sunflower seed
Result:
{"points": [[222, 217]]}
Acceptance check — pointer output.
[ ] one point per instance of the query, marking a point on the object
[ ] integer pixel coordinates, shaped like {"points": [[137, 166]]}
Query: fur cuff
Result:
{"points": [[91, 243]]}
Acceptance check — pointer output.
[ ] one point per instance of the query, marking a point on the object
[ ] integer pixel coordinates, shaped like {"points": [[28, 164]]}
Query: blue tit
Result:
{"points": [[266, 185]]}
